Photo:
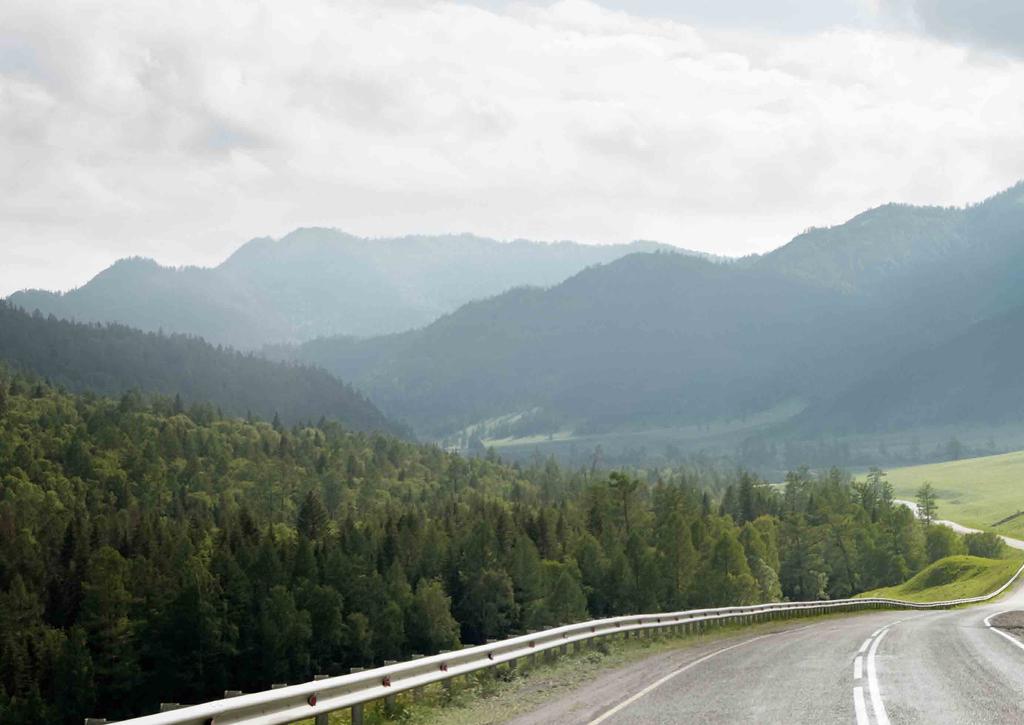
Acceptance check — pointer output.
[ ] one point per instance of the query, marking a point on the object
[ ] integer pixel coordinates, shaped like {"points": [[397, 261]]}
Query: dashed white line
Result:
{"points": [[857, 667], [881, 716], [860, 707], [864, 646]]}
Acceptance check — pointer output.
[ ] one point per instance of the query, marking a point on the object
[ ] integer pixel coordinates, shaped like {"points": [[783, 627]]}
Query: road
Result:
{"points": [[870, 669], [960, 529]]}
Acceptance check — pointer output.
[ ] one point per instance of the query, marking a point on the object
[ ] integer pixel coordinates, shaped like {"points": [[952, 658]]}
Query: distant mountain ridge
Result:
{"points": [[318, 282], [654, 339]]}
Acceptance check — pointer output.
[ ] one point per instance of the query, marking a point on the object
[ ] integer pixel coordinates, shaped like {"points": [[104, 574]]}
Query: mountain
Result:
{"points": [[974, 378], [659, 339], [645, 340], [112, 359], [318, 282]]}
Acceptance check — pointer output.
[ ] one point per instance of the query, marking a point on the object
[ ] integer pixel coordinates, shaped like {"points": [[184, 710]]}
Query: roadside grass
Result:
{"points": [[975, 492], [499, 694], [954, 577]]}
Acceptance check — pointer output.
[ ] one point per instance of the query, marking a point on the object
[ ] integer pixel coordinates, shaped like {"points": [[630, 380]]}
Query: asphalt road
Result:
{"points": [[878, 667], [1014, 543]]}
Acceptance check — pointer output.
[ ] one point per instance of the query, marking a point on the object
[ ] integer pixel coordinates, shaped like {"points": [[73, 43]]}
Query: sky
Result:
{"points": [[180, 130]]}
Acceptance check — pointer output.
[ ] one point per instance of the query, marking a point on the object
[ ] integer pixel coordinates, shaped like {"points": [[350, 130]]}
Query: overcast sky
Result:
{"points": [[178, 130]]}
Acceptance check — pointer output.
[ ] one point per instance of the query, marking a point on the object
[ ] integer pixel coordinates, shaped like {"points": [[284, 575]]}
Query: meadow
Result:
{"points": [[975, 492]]}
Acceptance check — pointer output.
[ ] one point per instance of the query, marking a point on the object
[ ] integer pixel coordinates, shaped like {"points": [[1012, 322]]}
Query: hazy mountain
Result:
{"points": [[112, 359], [318, 282], [653, 339], [976, 377], [646, 339]]}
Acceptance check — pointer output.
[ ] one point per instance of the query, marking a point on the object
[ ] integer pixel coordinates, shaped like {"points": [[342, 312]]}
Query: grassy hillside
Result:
{"points": [[952, 578], [975, 492]]}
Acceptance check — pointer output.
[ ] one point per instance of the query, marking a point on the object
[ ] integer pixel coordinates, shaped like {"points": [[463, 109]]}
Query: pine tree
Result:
{"points": [[312, 519]]}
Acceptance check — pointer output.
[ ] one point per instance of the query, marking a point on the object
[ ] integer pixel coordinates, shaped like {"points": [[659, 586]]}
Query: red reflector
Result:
{"points": [[312, 699]]}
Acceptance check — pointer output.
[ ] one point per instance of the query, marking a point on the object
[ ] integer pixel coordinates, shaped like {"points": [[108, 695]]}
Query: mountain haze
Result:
{"points": [[113, 359], [975, 377], [662, 339], [318, 282]]}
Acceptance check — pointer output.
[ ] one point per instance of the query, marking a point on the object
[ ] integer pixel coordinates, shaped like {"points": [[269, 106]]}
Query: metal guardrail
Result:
{"points": [[311, 699]]}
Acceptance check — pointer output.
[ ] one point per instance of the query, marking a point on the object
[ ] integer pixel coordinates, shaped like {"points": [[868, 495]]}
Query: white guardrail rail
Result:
{"points": [[316, 699]]}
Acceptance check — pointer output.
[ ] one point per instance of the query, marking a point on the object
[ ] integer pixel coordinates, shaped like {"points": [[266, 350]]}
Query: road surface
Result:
{"points": [[960, 529], [873, 668]]}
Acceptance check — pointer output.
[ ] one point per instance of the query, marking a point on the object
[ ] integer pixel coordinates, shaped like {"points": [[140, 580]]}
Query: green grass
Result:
{"points": [[975, 492], [954, 577]]}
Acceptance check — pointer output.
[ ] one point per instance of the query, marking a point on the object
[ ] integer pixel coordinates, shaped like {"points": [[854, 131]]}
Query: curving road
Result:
{"points": [[959, 528], [873, 668]]}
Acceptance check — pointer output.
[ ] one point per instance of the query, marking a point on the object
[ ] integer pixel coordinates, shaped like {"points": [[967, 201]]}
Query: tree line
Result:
{"points": [[111, 359], [151, 551]]}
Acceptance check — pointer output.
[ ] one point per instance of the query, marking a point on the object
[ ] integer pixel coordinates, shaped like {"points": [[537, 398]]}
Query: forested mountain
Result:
{"points": [[111, 359], [655, 339], [317, 282], [152, 555], [648, 338], [974, 378]]}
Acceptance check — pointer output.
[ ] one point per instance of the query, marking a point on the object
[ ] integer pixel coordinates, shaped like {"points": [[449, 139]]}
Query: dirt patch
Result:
{"points": [[1012, 622]]}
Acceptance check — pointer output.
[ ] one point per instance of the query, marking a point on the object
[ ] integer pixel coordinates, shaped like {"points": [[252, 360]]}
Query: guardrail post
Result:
{"points": [[231, 693], [389, 700], [168, 706], [322, 718], [357, 710]]}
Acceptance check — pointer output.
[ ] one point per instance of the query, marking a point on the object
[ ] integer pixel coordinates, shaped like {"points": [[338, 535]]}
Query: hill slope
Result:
{"points": [[976, 492], [317, 282], [113, 359], [648, 338], [656, 338], [974, 377], [954, 577]]}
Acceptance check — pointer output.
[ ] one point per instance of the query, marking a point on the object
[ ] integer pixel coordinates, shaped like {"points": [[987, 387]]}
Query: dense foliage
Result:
{"points": [[151, 553], [111, 359]]}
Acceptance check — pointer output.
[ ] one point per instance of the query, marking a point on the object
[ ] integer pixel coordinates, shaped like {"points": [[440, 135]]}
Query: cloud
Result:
{"points": [[180, 130], [994, 25]]}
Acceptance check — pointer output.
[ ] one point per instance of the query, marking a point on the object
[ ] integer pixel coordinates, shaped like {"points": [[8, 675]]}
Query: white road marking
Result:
{"points": [[881, 716], [865, 645], [1000, 632], [859, 707], [857, 669], [669, 676]]}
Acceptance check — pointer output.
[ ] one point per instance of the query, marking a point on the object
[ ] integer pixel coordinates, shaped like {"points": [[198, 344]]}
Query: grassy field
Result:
{"points": [[975, 492], [952, 578]]}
